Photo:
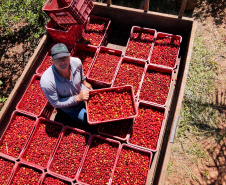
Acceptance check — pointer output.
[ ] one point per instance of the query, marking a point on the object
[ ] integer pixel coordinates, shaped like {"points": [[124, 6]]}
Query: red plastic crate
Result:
{"points": [[127, 75], [103, 70], [87, 54], [139, 39], [17, 134], [143, 132], [26, 177], [165, 57], [81, 145], [68, 12], [57, 179], [133, 164], [117, 130], [53, 132], [47, 61], [30, 103], [7, 165], [156, 89], [102, 153], [121, 89], [68, 36], [94, 29]]}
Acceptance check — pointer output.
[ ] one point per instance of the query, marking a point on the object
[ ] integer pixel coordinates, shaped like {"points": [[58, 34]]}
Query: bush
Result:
{"points": [[26, 11]]}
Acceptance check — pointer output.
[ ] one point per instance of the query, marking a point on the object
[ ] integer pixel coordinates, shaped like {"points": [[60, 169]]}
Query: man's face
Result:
{"points": [[61, 63]]}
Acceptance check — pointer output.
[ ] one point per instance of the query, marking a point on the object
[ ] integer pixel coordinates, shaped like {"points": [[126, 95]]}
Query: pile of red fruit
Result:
{"points": [[96, 25], [42, 143], [165, 51], [17, 134], [132, 167], [104, 67], [54, 181], [129, 74], [109, 105], [33, 100], [146, 127], [69, 153], [46, 63], [26, 175], [155, 87], [87, 58], [139, 45], [6, 167], [94, 32], [99, 162]]}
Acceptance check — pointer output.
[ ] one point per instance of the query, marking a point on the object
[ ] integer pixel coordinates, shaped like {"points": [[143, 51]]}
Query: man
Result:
{"points": [[64, 84]]}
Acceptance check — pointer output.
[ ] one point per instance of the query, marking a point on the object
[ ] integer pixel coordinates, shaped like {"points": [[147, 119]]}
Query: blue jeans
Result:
{"points": [[79, 115]]}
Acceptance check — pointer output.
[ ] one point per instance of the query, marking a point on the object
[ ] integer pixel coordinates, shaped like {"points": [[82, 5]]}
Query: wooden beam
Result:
{"points": [[146, 5], [182, 8], [109, 2]]}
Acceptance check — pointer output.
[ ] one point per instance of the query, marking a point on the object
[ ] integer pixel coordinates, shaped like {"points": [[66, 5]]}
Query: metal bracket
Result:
{"points": [[173, 133]]}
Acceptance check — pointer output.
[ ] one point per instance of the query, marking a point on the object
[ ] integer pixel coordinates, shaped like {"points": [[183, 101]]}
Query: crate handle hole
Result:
{"points": [[49, 3]]}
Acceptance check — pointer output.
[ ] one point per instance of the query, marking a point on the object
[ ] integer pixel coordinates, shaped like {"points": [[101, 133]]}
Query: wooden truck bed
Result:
{"points": [[122, 20]]}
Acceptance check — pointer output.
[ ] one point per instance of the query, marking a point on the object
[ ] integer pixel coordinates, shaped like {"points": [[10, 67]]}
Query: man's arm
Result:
{"points": [[53, 97], [88, 85]]}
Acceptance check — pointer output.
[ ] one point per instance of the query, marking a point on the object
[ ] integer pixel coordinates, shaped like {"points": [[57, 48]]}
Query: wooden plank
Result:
{"points": [[182, 8], [123, 18], [109, 2], [146, 5]]}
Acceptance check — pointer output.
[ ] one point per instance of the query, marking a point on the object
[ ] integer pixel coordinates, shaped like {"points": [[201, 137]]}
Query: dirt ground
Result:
{"points": [[186, 169]]}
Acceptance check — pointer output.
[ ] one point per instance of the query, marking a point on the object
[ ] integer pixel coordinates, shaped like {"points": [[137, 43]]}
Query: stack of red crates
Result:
{"points": [[68, 19]]}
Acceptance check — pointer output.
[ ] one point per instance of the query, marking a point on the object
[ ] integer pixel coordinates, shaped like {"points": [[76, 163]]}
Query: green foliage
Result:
{"points": [[3, 99], [28, 11]]}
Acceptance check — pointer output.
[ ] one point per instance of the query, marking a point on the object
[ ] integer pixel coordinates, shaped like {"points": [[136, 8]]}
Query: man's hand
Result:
{"points": [[88, 85], [82, 96]]}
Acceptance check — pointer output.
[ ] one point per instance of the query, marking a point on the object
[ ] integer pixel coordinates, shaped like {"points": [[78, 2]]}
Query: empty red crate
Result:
{"points": [[99, 161], [148, 124], [42, 143], [87, 54], [49, 178], [17, 133], [34, 101], [117, 129], [7, 165], [24, 173], [110, 104], [130, 72], [67, 34], [68, 12], [140, 43], [47, 61], [69, 153], [104, 66], [156, 84], [132, 166], [166, 50], [96, 32]]}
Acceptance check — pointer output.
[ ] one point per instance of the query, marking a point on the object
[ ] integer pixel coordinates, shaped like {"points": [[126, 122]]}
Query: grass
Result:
{"points": [[198, 115], [201, 117], [30, 11]]}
